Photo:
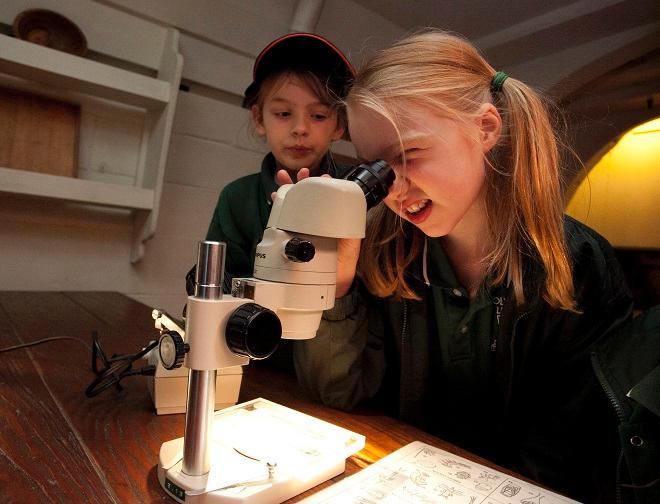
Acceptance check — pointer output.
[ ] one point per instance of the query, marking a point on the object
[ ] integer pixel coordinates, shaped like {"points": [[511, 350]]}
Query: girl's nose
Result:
{"points": [[398, 187]]}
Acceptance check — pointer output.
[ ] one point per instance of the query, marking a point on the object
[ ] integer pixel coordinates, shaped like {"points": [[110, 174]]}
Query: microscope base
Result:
{"points": [[261, 453], [226, 490]]}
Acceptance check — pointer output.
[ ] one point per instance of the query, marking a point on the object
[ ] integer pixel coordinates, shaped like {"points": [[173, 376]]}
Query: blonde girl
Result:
{"points": [[475, 302]]}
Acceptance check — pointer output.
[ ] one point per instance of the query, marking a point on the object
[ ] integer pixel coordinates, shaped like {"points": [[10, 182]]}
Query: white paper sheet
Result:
{"points": [[422, 474]]}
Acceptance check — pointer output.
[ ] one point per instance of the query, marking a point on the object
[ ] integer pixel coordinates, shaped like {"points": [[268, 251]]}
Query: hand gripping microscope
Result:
{"points": [[260, 452]]}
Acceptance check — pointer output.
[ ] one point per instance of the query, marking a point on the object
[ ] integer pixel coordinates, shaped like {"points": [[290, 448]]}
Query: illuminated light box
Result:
{"points": [[261, 453]]}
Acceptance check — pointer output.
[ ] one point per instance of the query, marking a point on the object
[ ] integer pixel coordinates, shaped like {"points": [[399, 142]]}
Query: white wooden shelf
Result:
{"points": [[74, 189], [34, 62], [126, 116]]}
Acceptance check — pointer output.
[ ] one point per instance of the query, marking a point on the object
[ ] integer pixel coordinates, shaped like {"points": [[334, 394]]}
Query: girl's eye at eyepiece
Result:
{"points": [[374, 178]]}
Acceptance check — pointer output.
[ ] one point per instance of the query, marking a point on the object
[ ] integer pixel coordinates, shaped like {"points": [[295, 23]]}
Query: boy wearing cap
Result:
{"points": [[295, 103]]}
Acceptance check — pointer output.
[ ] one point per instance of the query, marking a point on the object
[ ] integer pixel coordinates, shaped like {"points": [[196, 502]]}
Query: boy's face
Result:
{"points": [[297, 125]]}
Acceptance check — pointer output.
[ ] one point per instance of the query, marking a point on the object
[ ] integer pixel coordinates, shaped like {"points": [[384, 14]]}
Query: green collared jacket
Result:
{"points": [[552, 422]]}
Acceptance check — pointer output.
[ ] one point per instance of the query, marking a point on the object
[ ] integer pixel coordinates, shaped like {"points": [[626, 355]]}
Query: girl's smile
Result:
{"points": [[419, 211]]}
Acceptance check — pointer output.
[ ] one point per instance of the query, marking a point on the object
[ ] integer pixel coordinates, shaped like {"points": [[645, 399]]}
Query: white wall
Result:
{"points": [[54, 246]]}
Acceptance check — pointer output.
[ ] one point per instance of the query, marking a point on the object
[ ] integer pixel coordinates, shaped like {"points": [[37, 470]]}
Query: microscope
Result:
{"points": [[259, 451]]}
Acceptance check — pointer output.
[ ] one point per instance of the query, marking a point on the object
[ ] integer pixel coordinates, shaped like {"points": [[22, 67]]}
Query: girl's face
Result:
{"points": [[440, 189], [298, 127]]}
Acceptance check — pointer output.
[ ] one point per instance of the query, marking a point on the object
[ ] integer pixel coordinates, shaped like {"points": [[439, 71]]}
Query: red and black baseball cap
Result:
{"points": [[301, 52]]}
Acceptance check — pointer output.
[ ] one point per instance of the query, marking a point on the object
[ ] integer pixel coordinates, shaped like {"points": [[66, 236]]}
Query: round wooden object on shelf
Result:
{"points": [[50, 29]]}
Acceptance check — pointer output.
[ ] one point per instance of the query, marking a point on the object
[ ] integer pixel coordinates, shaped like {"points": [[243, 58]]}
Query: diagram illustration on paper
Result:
{"points": [[419, 473]]}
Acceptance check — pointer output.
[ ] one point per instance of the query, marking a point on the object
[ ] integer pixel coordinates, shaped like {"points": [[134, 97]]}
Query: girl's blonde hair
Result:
{"points": [[445, 74]]}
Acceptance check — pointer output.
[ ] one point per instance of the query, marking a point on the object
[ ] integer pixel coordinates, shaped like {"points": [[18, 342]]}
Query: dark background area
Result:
{"points": [[642, 269]]}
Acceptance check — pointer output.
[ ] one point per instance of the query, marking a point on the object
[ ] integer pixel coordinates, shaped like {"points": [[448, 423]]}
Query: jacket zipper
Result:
{"points": [[404, 331], [620, 413], [618, 407], [507, 400]]}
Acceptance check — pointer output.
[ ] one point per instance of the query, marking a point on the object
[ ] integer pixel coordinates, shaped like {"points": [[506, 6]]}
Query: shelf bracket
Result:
{"points": [[144, 225]]}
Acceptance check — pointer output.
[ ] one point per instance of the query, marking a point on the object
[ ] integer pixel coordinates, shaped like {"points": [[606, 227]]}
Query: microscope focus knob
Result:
{"points": [[253, 331], [299, 250], [172, 349]]}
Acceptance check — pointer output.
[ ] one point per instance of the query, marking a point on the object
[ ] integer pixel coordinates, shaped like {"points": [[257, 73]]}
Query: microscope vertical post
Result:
{"points": [[201, 383]]}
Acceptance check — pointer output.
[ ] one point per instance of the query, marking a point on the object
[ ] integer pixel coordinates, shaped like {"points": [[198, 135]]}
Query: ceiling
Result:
{"points": [[472, 18], [598, 58]]}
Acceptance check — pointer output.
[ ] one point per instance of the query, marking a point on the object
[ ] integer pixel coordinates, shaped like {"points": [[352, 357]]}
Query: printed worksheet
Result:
{"points": [[419, 473]]}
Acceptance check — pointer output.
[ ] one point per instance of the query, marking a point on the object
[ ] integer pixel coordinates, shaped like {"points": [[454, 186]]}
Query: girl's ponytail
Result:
{"points": [[534, 223]]}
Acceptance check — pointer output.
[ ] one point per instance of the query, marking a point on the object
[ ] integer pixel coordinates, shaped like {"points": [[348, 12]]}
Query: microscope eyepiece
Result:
{"points": [[374, 178]]}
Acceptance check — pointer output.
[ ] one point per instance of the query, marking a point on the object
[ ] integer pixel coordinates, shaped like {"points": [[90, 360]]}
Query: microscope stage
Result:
{"points": [[261, 453]]}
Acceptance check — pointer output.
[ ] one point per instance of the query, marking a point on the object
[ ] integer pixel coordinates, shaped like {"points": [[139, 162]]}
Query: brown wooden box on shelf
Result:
{"points": [[38, 134]]}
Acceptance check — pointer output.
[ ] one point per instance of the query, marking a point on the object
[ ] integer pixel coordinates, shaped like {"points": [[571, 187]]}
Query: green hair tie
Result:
{"points": [[497, 81]]}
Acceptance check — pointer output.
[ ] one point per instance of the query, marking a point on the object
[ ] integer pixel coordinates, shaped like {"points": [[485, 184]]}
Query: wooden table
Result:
{"points": [[56, 445]]}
